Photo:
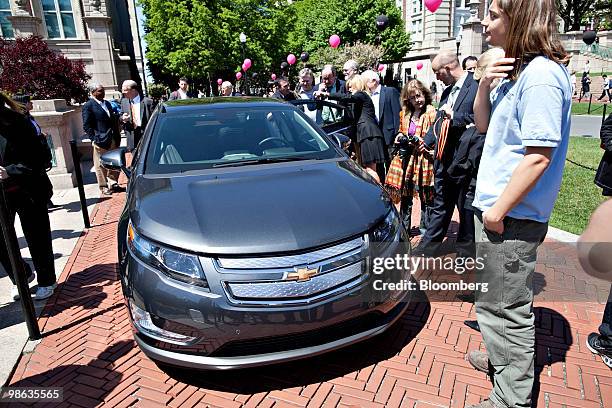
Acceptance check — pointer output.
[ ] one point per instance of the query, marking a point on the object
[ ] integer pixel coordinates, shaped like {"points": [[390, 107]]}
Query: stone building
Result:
{"points": [[102, 33]]}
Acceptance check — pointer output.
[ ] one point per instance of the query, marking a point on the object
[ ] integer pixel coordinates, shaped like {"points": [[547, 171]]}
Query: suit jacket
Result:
{"points": [[464, 167], [463, 115], [603, 178], [101, 128], [175, 95], [340, 87], [23, 156], [389, 113], [132, 133]]}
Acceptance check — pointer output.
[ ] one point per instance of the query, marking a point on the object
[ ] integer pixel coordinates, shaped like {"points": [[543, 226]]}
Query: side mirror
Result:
{"points": [[341, 139], [115, 160]]}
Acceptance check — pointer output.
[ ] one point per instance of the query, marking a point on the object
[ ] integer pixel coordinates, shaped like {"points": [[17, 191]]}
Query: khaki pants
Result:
{"points": [[103, 174], [505, 311]]}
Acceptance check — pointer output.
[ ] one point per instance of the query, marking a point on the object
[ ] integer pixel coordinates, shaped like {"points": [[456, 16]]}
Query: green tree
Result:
{"points": [[578, 13], [352, 20], [198, 39]]}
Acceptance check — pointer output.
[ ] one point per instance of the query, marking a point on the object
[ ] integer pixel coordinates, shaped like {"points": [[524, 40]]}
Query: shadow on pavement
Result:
{"points": [[320, 368], [82, 289], [553, 340], [97, 377]]}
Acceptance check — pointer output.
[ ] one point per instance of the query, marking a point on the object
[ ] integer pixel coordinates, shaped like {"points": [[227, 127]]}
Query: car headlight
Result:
{"points": [[177, 265], [388, 230]]}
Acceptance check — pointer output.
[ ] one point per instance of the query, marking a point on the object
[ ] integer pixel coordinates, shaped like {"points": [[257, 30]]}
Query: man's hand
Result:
{"points": [[447, 110], [3, 174], [493, 221]]}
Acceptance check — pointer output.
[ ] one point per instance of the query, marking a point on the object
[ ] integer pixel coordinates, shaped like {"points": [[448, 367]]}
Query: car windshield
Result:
{"points": [[233, 136]]}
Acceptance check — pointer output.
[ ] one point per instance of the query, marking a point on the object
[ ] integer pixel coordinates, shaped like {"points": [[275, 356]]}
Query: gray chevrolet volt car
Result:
{"points": [[248, 236]]}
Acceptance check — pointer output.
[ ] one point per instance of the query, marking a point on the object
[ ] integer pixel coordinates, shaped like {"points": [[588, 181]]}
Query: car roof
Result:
{"points": [[198, 104]]}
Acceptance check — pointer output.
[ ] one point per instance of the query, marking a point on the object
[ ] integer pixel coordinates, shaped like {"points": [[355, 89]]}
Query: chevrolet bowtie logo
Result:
{"points": [[302, 274]]}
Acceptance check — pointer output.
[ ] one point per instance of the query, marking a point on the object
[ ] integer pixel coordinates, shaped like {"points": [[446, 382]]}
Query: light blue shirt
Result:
{"points": [[533, 111]]}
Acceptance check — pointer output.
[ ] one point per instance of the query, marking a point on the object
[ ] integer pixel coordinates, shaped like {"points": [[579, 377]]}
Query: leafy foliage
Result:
{"points": [[578, 13], [195, 38], [353, 21], [367, 55], [156, 91], [199, 39], [29, 66]]}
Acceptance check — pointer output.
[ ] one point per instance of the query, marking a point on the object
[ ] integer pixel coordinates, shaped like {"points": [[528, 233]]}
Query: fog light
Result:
{"points": [[144, 324]]}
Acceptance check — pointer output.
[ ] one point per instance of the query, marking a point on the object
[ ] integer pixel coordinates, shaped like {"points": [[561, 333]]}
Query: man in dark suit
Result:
{"points": [[387, 108], [183, 91], [101, 124], [136, 111], [457, 105], [330, 82]]}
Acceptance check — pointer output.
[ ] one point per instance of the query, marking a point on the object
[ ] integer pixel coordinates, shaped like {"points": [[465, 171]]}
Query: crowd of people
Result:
{"points": [[494, 149]]}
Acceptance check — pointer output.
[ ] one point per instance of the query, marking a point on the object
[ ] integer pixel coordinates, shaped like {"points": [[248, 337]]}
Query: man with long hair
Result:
{"points": [[527, 122]]}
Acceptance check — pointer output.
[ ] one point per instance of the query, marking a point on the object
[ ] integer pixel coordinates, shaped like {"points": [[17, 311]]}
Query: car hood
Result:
{"points": [[258, 209]]}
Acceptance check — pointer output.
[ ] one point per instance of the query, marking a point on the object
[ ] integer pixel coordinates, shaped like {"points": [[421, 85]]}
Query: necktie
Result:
{"points": [[134, 113], [453, 95]]}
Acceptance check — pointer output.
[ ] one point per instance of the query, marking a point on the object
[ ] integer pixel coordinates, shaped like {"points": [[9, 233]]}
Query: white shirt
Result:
{"points": [[182, 94], [136, 111], [376, 101], [103, 105], [455, 90]]}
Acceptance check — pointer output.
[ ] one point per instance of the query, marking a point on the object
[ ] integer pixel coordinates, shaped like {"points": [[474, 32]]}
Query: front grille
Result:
{"points": [[294, 289], [300, 340], [289, 261]]}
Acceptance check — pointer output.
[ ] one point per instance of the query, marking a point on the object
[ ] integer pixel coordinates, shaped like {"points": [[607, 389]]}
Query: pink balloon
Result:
{"points": [[219, 81], [291, 59], [433, 5], [273, 76], [244, 67], [381, 67], [334, 41], [419, 66], [247, 64], [238, 75]]}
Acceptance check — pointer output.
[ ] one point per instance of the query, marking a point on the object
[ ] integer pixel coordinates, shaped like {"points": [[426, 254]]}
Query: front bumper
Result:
{"points": [[231, 332]]}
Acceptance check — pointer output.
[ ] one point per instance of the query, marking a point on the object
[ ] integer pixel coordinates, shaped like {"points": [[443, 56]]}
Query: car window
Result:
{"points": [[222, 136]]}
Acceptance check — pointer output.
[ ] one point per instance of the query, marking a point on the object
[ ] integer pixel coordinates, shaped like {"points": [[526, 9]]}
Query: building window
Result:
{"points": [[59, 18], [6, 28]]}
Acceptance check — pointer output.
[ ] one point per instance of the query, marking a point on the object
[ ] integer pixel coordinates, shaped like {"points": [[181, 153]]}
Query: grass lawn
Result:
{"points": [[581, 108], [579, 196]]}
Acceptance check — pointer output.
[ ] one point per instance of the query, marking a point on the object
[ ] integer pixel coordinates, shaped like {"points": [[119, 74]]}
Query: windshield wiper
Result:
{"points": [[262, 160]]}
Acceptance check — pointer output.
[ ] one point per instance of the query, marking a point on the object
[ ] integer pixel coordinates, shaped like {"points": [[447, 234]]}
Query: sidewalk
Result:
{"points": [[66, 225], [587, 125], [90, 352]]}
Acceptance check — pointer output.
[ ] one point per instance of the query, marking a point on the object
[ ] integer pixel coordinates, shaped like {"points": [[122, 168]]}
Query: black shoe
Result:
{"points": [[595, 344], [468, 298], [472, 324], [116, 188]]}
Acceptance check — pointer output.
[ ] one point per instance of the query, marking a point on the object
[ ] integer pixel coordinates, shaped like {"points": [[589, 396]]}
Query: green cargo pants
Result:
{"points": [[505, 311]]}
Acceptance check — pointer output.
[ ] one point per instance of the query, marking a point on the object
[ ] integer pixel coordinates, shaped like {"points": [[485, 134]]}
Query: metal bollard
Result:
{"points": [[590, 100], [79, 177], [19, 273], [603, 116]]}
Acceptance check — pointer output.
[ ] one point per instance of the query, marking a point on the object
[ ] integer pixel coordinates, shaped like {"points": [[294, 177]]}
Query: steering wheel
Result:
{"points": [[280, 141]]}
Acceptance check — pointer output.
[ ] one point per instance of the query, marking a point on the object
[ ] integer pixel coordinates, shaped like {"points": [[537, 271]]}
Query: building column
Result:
{"points": [[101, 40], [24, 23], [472, 40]]}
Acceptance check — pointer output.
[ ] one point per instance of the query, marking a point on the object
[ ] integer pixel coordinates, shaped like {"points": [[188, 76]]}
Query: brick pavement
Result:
{"points": [[89, 350]]}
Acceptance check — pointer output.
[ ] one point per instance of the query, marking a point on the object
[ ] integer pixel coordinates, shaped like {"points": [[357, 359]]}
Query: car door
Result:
{"points": [[333, 118]]}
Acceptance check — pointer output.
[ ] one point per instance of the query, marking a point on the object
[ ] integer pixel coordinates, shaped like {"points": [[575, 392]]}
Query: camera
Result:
{"points": [[404, 141]]}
